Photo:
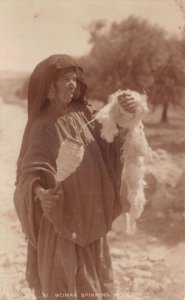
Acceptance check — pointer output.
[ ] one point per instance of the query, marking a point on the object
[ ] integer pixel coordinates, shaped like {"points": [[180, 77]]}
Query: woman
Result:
{"points": [[73, 256]]}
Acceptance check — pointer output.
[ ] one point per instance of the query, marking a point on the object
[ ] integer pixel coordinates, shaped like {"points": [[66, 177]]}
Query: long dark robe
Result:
{"points": [[70, 254]]}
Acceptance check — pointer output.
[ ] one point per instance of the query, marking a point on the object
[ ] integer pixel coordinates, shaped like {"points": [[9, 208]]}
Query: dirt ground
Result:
{"points": [[149, 265]]}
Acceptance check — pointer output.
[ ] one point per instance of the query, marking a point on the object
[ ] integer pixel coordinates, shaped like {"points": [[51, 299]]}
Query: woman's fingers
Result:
{"points": [[131, 104], [124, 99], [49, 202], [125, 95], [127, 102], [51, 197]]}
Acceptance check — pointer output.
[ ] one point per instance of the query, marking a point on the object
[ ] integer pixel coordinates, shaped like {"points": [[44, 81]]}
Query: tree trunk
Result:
{"points": [[164, 117]]}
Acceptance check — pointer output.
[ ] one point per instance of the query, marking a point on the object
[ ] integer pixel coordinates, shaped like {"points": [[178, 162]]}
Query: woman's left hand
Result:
{"points": [[127, 101]]}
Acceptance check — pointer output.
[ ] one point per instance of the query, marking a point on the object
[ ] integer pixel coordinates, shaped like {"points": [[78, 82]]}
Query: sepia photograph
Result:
{"points": [[92, 149]]}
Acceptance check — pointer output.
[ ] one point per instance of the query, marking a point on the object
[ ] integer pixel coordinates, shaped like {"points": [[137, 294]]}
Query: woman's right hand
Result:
{"points": [[127, 101], [47, 198]]}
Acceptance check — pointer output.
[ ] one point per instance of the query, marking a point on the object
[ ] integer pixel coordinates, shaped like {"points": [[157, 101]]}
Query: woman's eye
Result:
{"points": [[68, 79]]}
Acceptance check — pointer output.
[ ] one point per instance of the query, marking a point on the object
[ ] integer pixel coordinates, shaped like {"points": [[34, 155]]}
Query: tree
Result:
{"points": [[170, 78], [134, 51]]}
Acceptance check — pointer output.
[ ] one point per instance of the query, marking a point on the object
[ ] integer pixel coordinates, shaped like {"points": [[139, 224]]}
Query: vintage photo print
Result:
{"points": [[92, 149]]}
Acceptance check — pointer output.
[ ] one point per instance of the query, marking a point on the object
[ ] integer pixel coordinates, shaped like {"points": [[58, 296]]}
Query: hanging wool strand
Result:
{"points": [[135, 149]]}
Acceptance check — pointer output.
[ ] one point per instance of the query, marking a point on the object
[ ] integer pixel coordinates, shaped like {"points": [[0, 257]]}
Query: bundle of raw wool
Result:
{"points": [[135, 149]]}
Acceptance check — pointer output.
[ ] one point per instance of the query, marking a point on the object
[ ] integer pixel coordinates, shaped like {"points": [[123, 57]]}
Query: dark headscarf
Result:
{"points": [[39, 84]]}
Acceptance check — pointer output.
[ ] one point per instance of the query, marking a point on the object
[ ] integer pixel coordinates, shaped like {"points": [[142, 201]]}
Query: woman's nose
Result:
{"points": [[72, 84]]}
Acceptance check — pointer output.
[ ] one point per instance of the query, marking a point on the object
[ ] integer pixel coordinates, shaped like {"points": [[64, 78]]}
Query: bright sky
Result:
{"points": [[31, 30]]}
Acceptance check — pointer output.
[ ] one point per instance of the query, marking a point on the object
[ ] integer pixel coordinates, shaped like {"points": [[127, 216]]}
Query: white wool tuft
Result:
{"points": [[135, 149]]}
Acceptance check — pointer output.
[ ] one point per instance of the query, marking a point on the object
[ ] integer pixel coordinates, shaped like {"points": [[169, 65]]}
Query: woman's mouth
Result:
{"points": [[71, 93]]}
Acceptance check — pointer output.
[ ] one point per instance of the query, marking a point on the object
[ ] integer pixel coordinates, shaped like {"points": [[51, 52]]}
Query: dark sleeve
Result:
{"points": [[42, 150]]}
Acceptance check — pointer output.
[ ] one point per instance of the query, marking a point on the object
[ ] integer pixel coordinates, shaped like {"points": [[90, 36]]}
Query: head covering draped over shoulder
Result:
{"points": [[39, 84]]}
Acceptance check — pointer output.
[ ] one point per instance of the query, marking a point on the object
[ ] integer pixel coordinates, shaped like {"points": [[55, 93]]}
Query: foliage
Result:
{"points": [[134, 51]]}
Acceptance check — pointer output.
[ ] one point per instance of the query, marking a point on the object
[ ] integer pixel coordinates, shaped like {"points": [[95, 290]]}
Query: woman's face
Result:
{"points": [[66, 86], [63, 89]]}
